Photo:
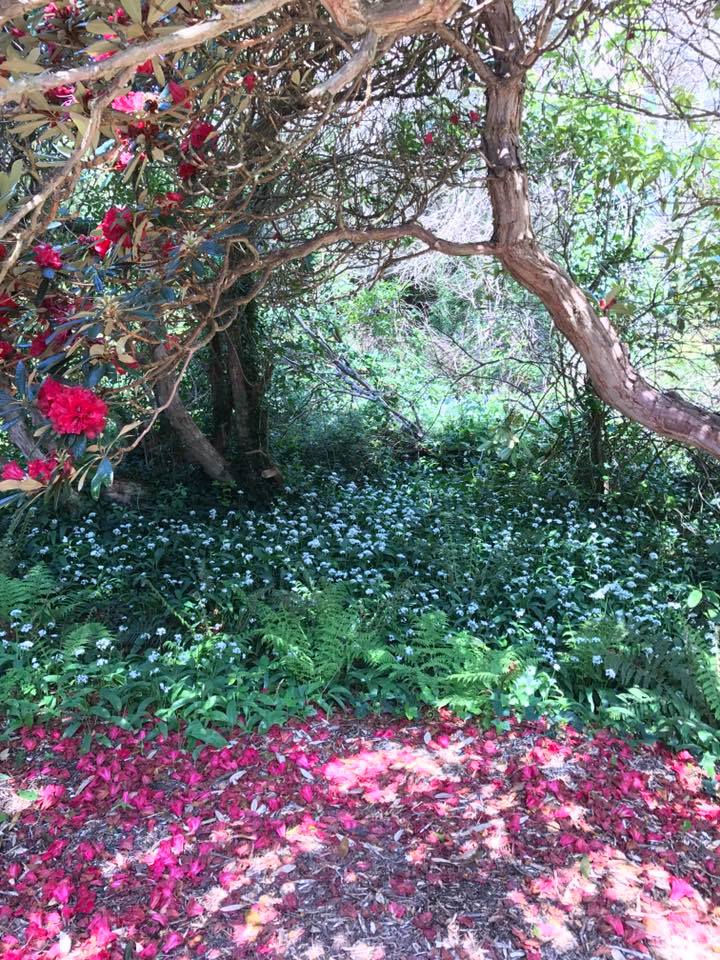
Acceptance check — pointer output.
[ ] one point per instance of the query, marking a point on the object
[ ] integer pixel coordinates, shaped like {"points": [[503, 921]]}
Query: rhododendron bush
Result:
{"points": [[245, 139], [219, 153]]}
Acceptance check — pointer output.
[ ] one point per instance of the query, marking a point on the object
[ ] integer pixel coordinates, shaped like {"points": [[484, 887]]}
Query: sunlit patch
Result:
{"points": [[368, 772], [555, 931], [315, 951], [622, 880], [213, 899], [680, 935], [454, 850], [268, 862], [306, 837], [14, 801], [472, 949], [496, 803], [365, 951]]}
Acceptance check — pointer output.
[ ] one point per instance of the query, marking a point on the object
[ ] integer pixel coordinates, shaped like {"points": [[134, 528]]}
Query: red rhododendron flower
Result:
{"points": [[58, 307], [170, 199], [454, 119], [123, 160], [102, 246], [249, 82], [130, 102], [473, 116], [186, 170], [12, 471], [199, 134], [76, 410], [39, 344], [64, 94], [178, 93], [428, 138], [48, 393], [120, 16], [3, 251], [140, 128], [7, 351], [54, 12], [47, 256], [42, 470], [116, 225], [146, 67]]}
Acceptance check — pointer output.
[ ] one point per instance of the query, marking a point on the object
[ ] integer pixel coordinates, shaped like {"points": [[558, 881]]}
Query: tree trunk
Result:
{"points": [[248, 384], [220, 395], [195, 445], [606, 358], [595, 413]]}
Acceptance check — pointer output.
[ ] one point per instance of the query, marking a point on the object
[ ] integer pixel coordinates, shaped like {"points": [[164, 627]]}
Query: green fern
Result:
{"points": [[706, 665], [666, 686], [316, 639], [35, 594]]}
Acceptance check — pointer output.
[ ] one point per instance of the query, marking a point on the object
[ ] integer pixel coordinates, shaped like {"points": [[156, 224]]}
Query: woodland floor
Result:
{"points": [[357, 840]]}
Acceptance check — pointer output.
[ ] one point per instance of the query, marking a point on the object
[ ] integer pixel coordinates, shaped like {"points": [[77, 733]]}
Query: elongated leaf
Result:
{"points": [[21, 378], [199, 732], [103, 478]]}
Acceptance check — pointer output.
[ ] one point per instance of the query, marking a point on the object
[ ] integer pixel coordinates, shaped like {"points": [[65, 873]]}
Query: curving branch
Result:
{"points": [[356, 66], [230, 18], [372, 22], [10, 9], [606, 357]]}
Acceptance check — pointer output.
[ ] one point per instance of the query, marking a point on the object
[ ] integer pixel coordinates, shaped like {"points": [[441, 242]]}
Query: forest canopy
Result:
{"points": [[177, 173]]}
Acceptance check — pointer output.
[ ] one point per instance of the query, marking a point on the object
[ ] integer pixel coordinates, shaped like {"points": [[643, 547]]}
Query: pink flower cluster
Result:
{"points": [[72, 410], [40, 469]]}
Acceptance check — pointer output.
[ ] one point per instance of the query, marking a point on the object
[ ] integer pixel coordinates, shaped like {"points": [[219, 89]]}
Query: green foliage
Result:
{"points": [[657, 686], [472, 582], [36, 595]]}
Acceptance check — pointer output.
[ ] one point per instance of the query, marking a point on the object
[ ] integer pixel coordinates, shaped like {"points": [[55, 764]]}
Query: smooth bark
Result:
{"points": [[606, 357], [195, 445]]}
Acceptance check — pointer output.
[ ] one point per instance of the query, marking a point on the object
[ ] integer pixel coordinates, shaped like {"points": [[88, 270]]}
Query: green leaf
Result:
{"points": [[103, 478], [211, 737], [71, 729], [134, 10], [694, 598]]}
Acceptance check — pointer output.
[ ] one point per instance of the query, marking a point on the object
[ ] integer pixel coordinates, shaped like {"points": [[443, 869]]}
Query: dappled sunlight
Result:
{"points": [[335, 839]]}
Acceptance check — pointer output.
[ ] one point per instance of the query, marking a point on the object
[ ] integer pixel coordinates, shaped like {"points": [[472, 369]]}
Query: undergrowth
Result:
{"points": [[425, 588]]}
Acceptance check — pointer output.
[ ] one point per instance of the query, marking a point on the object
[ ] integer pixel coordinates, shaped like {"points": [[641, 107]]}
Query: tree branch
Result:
{"points": [[230, 18]]}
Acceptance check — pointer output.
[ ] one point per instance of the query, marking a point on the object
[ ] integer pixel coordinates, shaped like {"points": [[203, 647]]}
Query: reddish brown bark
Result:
{"points": [[606, 357]]}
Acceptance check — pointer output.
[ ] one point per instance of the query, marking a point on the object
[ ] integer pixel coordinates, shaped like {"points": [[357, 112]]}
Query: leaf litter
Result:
{"points": [[340, 839]]}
